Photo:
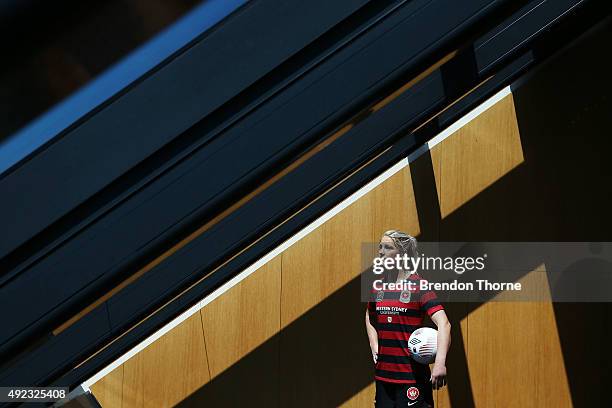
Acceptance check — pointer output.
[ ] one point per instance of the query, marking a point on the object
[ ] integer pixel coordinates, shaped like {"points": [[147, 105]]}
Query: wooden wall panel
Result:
{"points": [[501, 354], [243, 318], [323, 335], [515, 356], [394, 206], [510, 347], [325, 260], [301, 278], [503, 338], [241, 334], [363, 399], [109, 390], [551, 386], [455, 373], [477, 155], [168, 370]]}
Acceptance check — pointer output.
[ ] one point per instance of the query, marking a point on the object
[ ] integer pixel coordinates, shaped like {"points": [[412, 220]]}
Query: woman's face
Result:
{"points": [[387, 248]]}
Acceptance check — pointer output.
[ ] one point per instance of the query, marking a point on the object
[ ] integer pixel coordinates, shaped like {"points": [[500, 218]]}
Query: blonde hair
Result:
{"points": [[405, 243]]}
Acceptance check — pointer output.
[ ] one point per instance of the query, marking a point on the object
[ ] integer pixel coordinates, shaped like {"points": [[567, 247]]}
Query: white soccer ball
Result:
{"points": [[423, 344]]}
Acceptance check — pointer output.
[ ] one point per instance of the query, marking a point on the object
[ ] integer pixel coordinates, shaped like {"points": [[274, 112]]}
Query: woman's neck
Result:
{"points": [[402, 275]]}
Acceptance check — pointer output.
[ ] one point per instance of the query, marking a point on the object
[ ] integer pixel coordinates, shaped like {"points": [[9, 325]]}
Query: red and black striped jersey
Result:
{"points": [[395, 315]]}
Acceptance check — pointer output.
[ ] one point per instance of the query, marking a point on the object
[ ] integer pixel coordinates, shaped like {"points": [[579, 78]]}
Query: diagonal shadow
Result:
{"points": [[559, 193], [430, 219]]}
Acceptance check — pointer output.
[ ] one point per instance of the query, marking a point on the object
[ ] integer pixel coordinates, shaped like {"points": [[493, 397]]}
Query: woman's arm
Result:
{"points": [[438, 373], [372, 336]]}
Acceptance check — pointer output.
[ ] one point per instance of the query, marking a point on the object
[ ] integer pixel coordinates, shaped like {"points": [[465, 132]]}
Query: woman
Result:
{"points": [[401, 381]]}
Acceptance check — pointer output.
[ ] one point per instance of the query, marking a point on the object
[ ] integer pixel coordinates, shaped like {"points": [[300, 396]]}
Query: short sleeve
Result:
{"points": [[429, 302], [371, 308]]}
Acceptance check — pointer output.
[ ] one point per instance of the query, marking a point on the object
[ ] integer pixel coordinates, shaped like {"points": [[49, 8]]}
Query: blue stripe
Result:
{"points": [[25, 141]]}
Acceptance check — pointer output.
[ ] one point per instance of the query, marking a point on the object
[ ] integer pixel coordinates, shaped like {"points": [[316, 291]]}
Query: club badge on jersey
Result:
{"points": [[412, 393], [405, 296]]}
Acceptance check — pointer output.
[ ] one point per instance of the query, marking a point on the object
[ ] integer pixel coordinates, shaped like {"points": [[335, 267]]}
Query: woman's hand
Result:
{"points": [[375, 356], [438, 376]]}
